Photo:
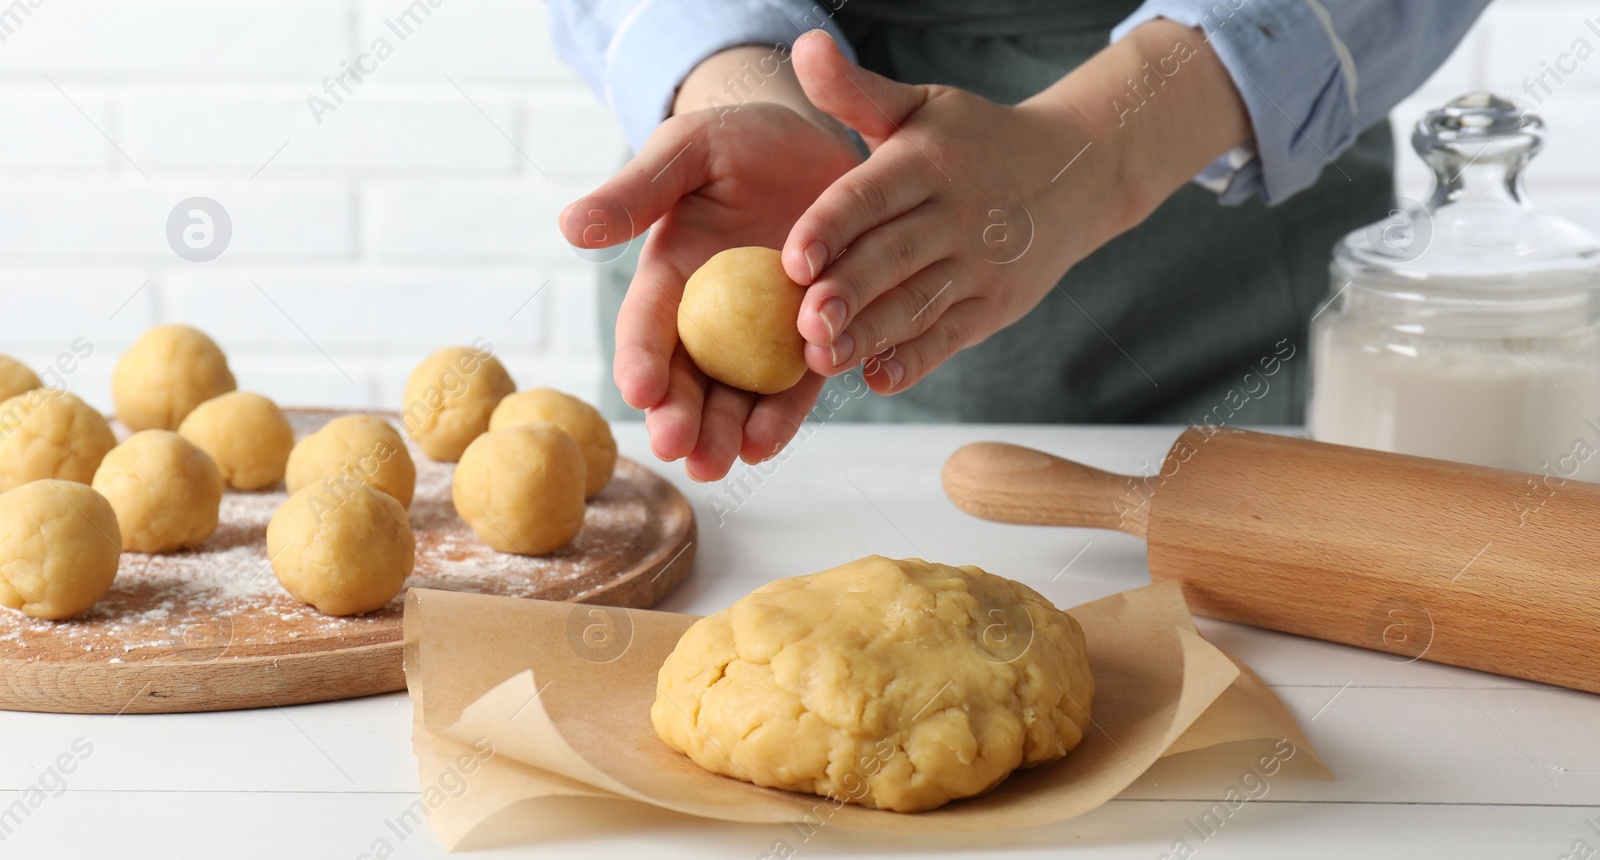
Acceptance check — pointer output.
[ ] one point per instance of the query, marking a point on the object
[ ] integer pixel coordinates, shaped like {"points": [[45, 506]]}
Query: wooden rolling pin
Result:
{"points": [[1475, 567]]}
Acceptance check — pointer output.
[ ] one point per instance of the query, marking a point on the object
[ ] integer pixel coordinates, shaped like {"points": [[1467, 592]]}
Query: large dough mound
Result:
{"points": [[896, 684]]}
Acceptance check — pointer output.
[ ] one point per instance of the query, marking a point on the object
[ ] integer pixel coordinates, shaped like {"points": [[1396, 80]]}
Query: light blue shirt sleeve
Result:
{"points": [[1313, 75], [635, 53]]}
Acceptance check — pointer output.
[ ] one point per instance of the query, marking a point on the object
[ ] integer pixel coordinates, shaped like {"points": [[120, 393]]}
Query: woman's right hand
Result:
{"points": [[707, 180]]}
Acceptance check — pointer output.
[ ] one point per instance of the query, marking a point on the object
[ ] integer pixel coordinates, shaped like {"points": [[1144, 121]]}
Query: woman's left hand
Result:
{"points": [[963, 218]]}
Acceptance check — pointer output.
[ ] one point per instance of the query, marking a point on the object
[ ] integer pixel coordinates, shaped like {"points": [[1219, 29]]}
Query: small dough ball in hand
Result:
{"points": [[166, 492], [51, 434], [739, 321], [16, 378], [246, 434], [450, 397], [521, 488], [344, 555], [167, 372], [351, 451], [580, 421], [59, 548], [893, 684]]}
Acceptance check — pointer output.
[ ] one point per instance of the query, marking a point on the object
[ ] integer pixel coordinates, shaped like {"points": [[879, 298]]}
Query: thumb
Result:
{"points": [[868, 102], [671, 164]]}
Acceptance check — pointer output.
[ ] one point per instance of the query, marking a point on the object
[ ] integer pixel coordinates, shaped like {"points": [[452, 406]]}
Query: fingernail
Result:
{"points": [[832, 315], [895, 371], [841, 349], [757, 459], [816, 258]]}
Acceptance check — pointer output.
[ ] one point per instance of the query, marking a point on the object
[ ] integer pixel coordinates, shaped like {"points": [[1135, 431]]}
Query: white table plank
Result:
{"points": [[83, 823], [360, 745], [1514, 770]]}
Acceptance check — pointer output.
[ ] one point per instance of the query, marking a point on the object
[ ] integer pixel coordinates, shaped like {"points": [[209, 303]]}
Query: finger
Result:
{"points": [[875, 192], [674, 425], [647, 328], [776, 419], [672, 163], [721, 432], [868, 102], [896, 317], [959, 327], [878, 261]]}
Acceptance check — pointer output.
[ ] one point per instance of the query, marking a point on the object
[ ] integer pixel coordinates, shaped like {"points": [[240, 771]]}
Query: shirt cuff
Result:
{"points": [[657, 46], [1285, 62]]}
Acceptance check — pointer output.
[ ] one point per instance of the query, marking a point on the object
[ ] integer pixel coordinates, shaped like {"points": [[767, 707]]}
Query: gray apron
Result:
{"points": [[1198, 315]]}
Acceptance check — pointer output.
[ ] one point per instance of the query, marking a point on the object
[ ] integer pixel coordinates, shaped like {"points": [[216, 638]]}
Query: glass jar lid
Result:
{"points": [[1477, 235]]}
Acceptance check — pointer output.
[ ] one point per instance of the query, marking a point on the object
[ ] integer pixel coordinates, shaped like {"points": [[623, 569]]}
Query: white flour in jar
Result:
{"points": [[1494, 402]]}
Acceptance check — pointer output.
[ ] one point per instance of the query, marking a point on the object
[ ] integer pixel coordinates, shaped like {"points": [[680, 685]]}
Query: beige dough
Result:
{"points": [[59, 548], [345, 557], [450, 397], [16, 378], [352, 451], [246, 434], [167, 372], [580, 421], [739, 321], [893, 684], [166, 492], [521, 488], [50, 434]]}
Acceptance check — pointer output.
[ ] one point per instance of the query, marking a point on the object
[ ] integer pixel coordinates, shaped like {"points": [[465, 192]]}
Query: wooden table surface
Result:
{"points": [[1432, 761]]}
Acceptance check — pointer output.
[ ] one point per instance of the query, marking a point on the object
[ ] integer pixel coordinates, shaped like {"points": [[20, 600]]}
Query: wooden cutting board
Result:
{"points": [[210, 629]]}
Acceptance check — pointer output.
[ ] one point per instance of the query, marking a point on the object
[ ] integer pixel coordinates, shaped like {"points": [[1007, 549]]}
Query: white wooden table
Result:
{"points": [[1432, 761]]}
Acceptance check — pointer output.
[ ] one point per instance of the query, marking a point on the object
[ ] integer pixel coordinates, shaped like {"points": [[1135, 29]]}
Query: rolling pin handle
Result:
{"points": [[1011, 484]]}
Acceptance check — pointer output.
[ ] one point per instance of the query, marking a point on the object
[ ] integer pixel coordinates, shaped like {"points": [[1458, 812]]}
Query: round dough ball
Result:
{"points": [[246, 434], [894, 684], [167, 372], [59, 548], [450, 397], [577, 419], [16, 378], [352, 451], [521, 488], [46, 433], [166, 492], [739, 321], [345, 555]]}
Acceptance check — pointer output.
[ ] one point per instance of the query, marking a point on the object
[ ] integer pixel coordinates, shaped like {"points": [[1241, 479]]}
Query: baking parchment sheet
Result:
{"points": [[519, 703]]}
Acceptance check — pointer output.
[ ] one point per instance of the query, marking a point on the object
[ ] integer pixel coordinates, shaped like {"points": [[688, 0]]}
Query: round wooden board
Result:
{"points": [[210, 629]]}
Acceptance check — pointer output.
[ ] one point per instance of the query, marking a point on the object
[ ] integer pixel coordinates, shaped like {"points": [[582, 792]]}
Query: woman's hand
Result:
{"points": [[959, 223], [708, 180], [968, 212]]}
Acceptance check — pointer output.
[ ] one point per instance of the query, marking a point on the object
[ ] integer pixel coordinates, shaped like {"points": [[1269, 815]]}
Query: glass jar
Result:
{"points": [[1466, 329]]}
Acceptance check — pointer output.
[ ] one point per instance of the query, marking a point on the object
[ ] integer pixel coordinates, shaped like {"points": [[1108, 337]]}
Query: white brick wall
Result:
{"points": [[421, 210], [418, 212]]}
